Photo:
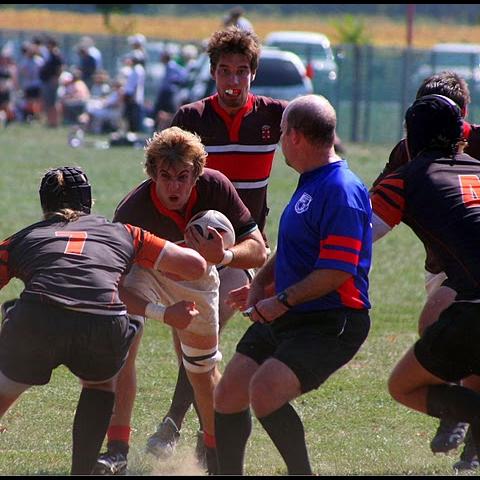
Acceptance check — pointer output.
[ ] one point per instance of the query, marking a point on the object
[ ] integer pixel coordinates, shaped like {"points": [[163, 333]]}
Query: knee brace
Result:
{"points": [[197, 360]]}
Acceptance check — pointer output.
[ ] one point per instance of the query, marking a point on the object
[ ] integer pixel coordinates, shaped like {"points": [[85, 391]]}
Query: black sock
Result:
{"points": [[182, 398], [454, 402], [212, 462], [90, 425], [231, 433], [286, 431]]}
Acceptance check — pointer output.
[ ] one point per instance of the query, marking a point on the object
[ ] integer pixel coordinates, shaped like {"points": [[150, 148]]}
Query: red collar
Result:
{"points": [[172, 214], [233, 123], [467, 130]]}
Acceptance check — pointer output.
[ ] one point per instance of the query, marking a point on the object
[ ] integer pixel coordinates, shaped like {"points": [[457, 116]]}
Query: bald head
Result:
{"points": [[314, 117]]}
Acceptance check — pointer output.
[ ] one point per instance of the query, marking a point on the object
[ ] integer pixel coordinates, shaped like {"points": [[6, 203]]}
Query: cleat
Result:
{"points": [[201, 451], [450, 434], [468, 458], [163, 442], [112, 462]]}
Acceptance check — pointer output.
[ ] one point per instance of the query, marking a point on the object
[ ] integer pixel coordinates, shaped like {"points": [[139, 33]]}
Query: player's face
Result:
{"points": [[174, 186], [233, 77]]}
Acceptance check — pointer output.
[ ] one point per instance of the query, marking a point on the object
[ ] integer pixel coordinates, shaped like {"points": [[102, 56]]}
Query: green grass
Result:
{"points": [[352, 425]]}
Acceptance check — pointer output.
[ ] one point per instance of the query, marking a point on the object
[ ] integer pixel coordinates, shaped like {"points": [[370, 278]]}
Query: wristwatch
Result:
{"points": [[282, 297]]}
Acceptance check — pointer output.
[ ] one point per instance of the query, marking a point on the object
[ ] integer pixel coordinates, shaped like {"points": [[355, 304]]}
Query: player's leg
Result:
{"points": [[114, 460], [200, 355], [90, 424], [450, 434], [162, 442]]}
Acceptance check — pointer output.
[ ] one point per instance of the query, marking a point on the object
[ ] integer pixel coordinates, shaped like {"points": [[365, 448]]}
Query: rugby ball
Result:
{"points": [[213, 218]]}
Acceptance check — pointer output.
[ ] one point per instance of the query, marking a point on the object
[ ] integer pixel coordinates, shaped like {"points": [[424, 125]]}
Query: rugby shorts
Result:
{"points": [[449, 348], [313, 345], [37, 337]]}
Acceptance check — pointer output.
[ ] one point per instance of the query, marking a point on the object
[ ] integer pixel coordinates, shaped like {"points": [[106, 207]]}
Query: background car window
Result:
{"points": [[274, 71], [303, 50]]}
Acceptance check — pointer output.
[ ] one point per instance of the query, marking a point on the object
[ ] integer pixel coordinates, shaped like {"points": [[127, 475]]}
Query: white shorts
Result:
{"points": [[155, 287], [433, 281]]}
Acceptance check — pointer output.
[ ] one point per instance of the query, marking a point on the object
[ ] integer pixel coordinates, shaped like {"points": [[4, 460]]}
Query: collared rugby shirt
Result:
{"points": [[241, 147], [327, 225]]}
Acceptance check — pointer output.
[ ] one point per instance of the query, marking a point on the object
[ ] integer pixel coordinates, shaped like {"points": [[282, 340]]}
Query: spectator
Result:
{"points": [[87, 64], [134, 92], [175, 75], [236, 18], [89, 43], [8, 72], [49, 76], [105, 113], [73, 94], [29, 81]]}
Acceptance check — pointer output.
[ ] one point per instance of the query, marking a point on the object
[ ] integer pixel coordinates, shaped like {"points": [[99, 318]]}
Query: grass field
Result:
{"points": [[352, 425]]}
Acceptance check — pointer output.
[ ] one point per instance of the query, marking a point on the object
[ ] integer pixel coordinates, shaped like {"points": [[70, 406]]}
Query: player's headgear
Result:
{"points": [[433, 121], [65, 187]]}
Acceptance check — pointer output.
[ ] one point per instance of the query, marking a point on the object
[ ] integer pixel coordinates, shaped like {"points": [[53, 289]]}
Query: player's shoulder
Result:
{"points": [[473, 140], [215, 178], [261, 101], [137, 197]]}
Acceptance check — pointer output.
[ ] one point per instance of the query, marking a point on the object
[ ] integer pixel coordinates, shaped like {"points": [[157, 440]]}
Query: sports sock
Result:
{"points": [[285, 428], [119, 438], [454, 402], [458, 403], [183, 397], [231, 433], [94, 410]]}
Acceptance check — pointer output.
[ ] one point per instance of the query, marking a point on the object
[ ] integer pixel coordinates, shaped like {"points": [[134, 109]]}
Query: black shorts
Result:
{"points": [[312, 345], [36, 338], [449, 348]]}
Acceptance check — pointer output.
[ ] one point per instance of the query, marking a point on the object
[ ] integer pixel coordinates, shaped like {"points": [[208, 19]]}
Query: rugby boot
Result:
{"points": [[468, 458], [163, 442], [113, 461], [450, 434]]}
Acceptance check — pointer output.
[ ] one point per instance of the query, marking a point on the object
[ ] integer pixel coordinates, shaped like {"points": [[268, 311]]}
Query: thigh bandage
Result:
{"points": [[197, 360]]}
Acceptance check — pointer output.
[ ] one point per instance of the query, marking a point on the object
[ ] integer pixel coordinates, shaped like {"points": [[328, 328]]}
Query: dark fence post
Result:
{"points": [[407, 61], [356, 91]]}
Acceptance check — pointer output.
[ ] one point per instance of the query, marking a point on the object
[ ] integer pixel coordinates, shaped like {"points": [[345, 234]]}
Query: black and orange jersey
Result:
{"points": [[399, 156], [213, 191], [77, 264], [241, 147], [439, 198]]}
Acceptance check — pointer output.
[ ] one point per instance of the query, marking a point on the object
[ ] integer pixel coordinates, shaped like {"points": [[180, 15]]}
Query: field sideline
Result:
{"points": [[352, 425]]}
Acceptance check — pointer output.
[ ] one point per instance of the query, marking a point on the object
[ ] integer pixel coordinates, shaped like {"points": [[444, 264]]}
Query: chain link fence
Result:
{"points": [[372, 92]]}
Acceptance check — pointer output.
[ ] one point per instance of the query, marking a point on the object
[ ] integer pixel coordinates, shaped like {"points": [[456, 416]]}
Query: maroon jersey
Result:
{"points": [[76, 264], [439, 198], [241, 147], [213, 191]]}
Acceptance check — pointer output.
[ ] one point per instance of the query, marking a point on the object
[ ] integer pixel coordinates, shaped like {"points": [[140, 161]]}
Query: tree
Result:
{"points": [[108, 9]]}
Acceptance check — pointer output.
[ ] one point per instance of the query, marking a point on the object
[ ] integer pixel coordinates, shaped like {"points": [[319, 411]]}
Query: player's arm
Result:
{"points": [[178, 315], [388, 204], [160, 254]]}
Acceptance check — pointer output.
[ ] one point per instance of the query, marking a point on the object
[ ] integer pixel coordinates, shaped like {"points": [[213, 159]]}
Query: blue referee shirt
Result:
{"points": [[327, 225]]}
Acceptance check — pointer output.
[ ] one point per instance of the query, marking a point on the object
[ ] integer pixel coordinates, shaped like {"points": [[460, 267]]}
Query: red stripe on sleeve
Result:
{"points": [[327, 254], [4, 273], [342, 241]]}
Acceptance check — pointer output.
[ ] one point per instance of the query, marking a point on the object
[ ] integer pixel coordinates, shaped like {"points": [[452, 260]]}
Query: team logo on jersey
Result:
{"points": [[266, 133], [303, 203]]}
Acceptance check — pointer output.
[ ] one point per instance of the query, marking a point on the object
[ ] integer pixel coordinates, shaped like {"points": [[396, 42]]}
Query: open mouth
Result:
{"points": [[233, 92]]}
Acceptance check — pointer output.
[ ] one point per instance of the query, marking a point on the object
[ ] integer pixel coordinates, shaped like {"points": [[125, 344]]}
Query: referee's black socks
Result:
{"points": [[285, 428]]}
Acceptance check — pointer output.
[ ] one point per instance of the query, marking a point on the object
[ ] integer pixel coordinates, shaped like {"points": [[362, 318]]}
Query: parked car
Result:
{"points": [[279, 75], [316, 53], [462, 58]]}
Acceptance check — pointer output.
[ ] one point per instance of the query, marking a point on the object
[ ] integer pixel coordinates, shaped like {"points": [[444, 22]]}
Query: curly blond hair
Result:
{"points": [[174, 146]]}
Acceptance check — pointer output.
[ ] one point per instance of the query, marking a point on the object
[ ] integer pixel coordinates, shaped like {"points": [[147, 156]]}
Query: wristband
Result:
{"points": [[155, 311], [227, 257]]}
